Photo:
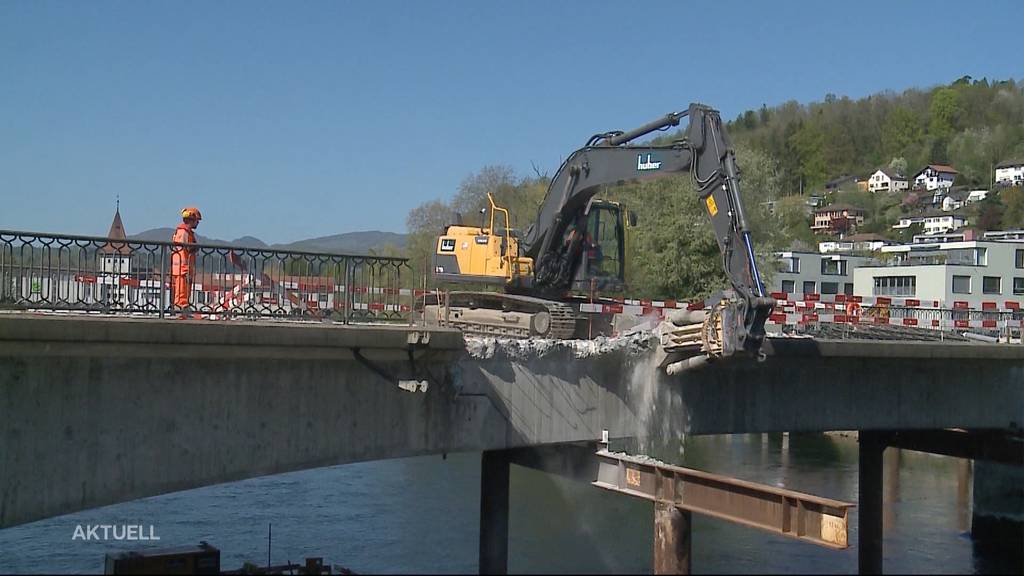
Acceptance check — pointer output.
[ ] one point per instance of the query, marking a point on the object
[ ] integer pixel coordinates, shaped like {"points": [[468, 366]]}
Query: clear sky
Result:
{"points": [[290, 120]]}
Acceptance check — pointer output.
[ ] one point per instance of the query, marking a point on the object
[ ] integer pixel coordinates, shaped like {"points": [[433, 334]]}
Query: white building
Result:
{"points": [[973, 272], [1010, 173], [976, 196], [934, 176], [886, 180], [934, 223], [855, 243], [1003, 235], [800, 273]]}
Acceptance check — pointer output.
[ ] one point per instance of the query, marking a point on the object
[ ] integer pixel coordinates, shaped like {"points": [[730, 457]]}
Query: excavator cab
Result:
{"points": [[602, 267]]}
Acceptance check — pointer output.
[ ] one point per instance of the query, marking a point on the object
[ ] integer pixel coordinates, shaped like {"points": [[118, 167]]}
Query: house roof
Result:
{"points": [[942, 168], [839, 208], [1010, 164], [867, 237], [940, 214], [117, 233], [892, 174]]}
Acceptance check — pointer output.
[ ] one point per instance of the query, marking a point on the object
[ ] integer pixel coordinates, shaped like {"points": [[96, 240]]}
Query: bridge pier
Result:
{"points": [[869, 502], [494, 474], [672, 539], [997, 522]]}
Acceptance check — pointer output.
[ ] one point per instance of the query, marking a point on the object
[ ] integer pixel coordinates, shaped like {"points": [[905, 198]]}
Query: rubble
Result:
{"points": [[634, 343]]}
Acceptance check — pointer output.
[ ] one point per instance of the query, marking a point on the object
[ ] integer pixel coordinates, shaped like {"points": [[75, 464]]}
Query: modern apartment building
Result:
{"points": [[814, 273], [974, 272]]}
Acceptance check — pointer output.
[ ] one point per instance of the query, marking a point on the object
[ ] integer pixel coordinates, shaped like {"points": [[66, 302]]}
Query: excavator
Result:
{"points": [[577, 244]]}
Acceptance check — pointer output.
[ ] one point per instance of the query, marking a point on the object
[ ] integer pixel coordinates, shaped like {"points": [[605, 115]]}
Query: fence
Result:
{"points": [[794, 311], [51, 272]]}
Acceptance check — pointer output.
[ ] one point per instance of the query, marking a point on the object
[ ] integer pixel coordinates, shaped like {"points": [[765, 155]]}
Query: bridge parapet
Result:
{"points": [[41, 271]]}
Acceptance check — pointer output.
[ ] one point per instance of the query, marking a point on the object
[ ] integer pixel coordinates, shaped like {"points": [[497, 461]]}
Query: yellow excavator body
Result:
{"points": [[480, 255]]}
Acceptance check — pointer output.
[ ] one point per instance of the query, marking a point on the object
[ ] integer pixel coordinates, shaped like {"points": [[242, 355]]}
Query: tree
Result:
{"points": [[901, 130], [945, 112], [808, 142], [472, 193], [990, 213], [1013, 200], [898, 165], [424, 223]]}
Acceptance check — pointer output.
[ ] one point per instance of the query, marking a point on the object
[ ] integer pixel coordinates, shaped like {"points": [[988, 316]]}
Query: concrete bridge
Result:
{"points": [[95, 411]]}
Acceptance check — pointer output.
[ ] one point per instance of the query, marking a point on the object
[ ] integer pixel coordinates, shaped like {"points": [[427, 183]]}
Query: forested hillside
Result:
{"points": [[970, 124], [785, 154]]}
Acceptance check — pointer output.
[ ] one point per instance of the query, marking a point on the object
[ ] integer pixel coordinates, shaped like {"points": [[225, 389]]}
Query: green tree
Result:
{"points": [[901, 130], [808, 144], [1013, 200], [946, 109], [990, 213]]}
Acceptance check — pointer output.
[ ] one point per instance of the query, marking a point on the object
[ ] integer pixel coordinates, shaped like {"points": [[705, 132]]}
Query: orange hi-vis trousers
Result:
{"points": [[182, 284]]}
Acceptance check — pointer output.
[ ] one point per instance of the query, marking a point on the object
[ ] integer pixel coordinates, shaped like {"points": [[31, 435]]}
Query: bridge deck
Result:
{"points": [[95, 411]]}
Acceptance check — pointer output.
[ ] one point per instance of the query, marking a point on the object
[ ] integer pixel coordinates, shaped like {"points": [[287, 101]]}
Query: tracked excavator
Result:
{"points": [[577, 245]]}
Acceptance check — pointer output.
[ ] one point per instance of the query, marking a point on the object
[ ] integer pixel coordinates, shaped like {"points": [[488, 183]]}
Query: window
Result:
{"points": [[829, 287], [809, 287], [1019, 259], [848, 288], [961, 284], [789, 265], [991, 285], [833, 267], [895, 285], [1018, 286], [788, 286], [968, 256]]}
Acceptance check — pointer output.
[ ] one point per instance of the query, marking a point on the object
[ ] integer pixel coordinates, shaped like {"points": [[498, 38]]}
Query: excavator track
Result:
{"points": [[505, 315]]}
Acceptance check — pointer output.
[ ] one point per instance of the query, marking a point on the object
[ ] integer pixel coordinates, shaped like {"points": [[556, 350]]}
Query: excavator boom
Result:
{"points": [[707, 155]]}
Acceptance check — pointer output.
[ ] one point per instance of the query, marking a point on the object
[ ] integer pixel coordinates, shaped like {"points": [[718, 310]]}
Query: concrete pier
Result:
{"points": [[494, 501]]}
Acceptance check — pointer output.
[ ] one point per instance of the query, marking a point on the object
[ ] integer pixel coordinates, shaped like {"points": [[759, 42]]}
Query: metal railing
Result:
{"points": [[1000, 325], [50, 272]]}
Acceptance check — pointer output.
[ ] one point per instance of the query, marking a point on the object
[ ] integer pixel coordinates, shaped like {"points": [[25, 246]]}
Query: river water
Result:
{"points": [[422, 515]]}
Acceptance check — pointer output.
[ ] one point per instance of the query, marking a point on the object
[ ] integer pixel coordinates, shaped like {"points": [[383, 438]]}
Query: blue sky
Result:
{"points": [[293, 120]]}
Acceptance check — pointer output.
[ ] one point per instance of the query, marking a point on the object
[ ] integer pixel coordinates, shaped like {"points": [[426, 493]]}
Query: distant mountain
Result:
{"points": [[347, 243], [165, 234]]}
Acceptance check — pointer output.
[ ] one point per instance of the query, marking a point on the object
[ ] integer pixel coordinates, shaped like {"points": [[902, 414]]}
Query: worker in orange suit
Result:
{"points": [[183, 258]]}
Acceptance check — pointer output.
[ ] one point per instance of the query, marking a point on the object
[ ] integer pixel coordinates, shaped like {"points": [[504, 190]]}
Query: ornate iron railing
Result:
{"points": [[51, 272]]}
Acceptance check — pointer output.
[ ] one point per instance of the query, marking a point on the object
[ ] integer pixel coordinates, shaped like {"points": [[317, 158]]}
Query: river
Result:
{"points": [[421, 515]]}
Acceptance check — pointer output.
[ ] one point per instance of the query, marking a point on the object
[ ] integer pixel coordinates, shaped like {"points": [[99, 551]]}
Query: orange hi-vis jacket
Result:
{"points": [[183, 259]]}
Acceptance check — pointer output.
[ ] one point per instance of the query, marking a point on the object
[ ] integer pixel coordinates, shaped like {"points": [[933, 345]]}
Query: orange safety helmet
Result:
{"points": [[191, 213]]}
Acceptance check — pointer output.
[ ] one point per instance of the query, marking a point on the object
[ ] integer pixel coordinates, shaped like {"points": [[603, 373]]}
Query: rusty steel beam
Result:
{"points": [[802, 516]]}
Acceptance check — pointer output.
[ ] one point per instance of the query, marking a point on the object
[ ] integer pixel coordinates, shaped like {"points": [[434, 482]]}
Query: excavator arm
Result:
{"points": [[706, 154]]}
